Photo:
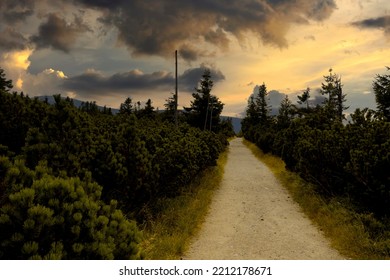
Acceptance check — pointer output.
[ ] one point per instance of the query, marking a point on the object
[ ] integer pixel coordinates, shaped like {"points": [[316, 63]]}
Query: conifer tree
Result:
{"points": [[169, 113], [381, 87], [205, 108], [286, 112], [263, 109], [5, 84], [304, 98], [334, 103], [126, 108]]}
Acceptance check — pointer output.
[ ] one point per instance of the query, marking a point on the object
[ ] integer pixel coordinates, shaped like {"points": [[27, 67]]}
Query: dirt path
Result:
{"points": [[253, 217]]}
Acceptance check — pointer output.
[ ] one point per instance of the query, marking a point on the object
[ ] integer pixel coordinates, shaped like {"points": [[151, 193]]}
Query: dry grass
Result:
{"points": [[168, 236], [349, 232]]}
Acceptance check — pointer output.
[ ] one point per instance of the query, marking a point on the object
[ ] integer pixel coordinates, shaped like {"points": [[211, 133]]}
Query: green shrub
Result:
{"points": [[61, 218]]}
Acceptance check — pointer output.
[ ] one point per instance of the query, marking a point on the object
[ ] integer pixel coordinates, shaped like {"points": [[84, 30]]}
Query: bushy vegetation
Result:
{"points": [[355, 235], [168, 236], [342, 159], [97, 166], [46, 217]]}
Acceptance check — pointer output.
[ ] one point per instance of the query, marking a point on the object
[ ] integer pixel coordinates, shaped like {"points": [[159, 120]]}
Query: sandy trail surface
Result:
{"points": [[253, 217]]}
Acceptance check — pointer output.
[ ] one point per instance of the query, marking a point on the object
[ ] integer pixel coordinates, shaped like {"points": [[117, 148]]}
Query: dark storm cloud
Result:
{"points": [[12, 13], [58, 34], [217, 38], [16, 10], [159, 27], [375, 23], [188, 53], [132, 80], [96, 83], [110, 4], [319, 10], [12, 40], [190, 78]]}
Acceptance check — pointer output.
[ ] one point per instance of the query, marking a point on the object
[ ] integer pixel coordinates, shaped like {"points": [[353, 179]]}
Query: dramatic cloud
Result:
{"points": [[191, 77], [47, 82], [188, 53], [375, 23], [160, 27], [10, 39], [58, 34], [197, 28], [135, 82], [94, 81], [12, 15], [13, 11], [274, 41], [318, 10]]}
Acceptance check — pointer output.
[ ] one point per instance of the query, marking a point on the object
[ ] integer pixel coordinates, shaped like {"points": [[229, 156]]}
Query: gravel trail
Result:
{"points": [[253, 217]]}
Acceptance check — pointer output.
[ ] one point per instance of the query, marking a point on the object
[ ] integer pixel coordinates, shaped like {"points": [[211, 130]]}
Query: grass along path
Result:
{"points": [[354, 235], [167, 236]]}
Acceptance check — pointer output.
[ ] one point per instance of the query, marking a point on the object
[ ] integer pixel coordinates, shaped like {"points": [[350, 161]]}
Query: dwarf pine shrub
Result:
{"points": [[46, 217]]}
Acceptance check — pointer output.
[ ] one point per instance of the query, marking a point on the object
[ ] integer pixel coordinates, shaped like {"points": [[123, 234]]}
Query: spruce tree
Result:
{"points": [[286, 113], [126, 108], [263, 109], [334, 103], [205, 108], [381, 88], [5, 84], [304, 98]]}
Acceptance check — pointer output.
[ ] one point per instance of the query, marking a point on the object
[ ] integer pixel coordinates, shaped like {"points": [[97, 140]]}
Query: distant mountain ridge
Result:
{"points": [[50, 99]]}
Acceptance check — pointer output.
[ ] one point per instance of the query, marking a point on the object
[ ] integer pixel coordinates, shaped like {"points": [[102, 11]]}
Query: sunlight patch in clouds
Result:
{"points": [[17, 59], [58, 73]]}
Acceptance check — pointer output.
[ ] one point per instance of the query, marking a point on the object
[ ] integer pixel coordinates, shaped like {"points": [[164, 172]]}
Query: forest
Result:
{"points": [[75, 182], [343, 158]]}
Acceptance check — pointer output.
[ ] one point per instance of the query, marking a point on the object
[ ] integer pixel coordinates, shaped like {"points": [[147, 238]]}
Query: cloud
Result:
{"points": [[58, 34], [375, 23], [10, 39], [197, 28], [47, 82], [189, 53], [160, 27], [218, 38], [320, 10], [190, 78], [13, 11], [310, 38], [93, 82], [316, 98], [274, 98], [15, 64], [96, 82]]}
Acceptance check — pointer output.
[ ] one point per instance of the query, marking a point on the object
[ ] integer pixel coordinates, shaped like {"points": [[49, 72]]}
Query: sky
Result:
{"points": [[108, 50]]}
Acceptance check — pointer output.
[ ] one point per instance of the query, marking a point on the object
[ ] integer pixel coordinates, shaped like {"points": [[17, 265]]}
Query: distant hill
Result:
{"points": [[50, 99]]}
